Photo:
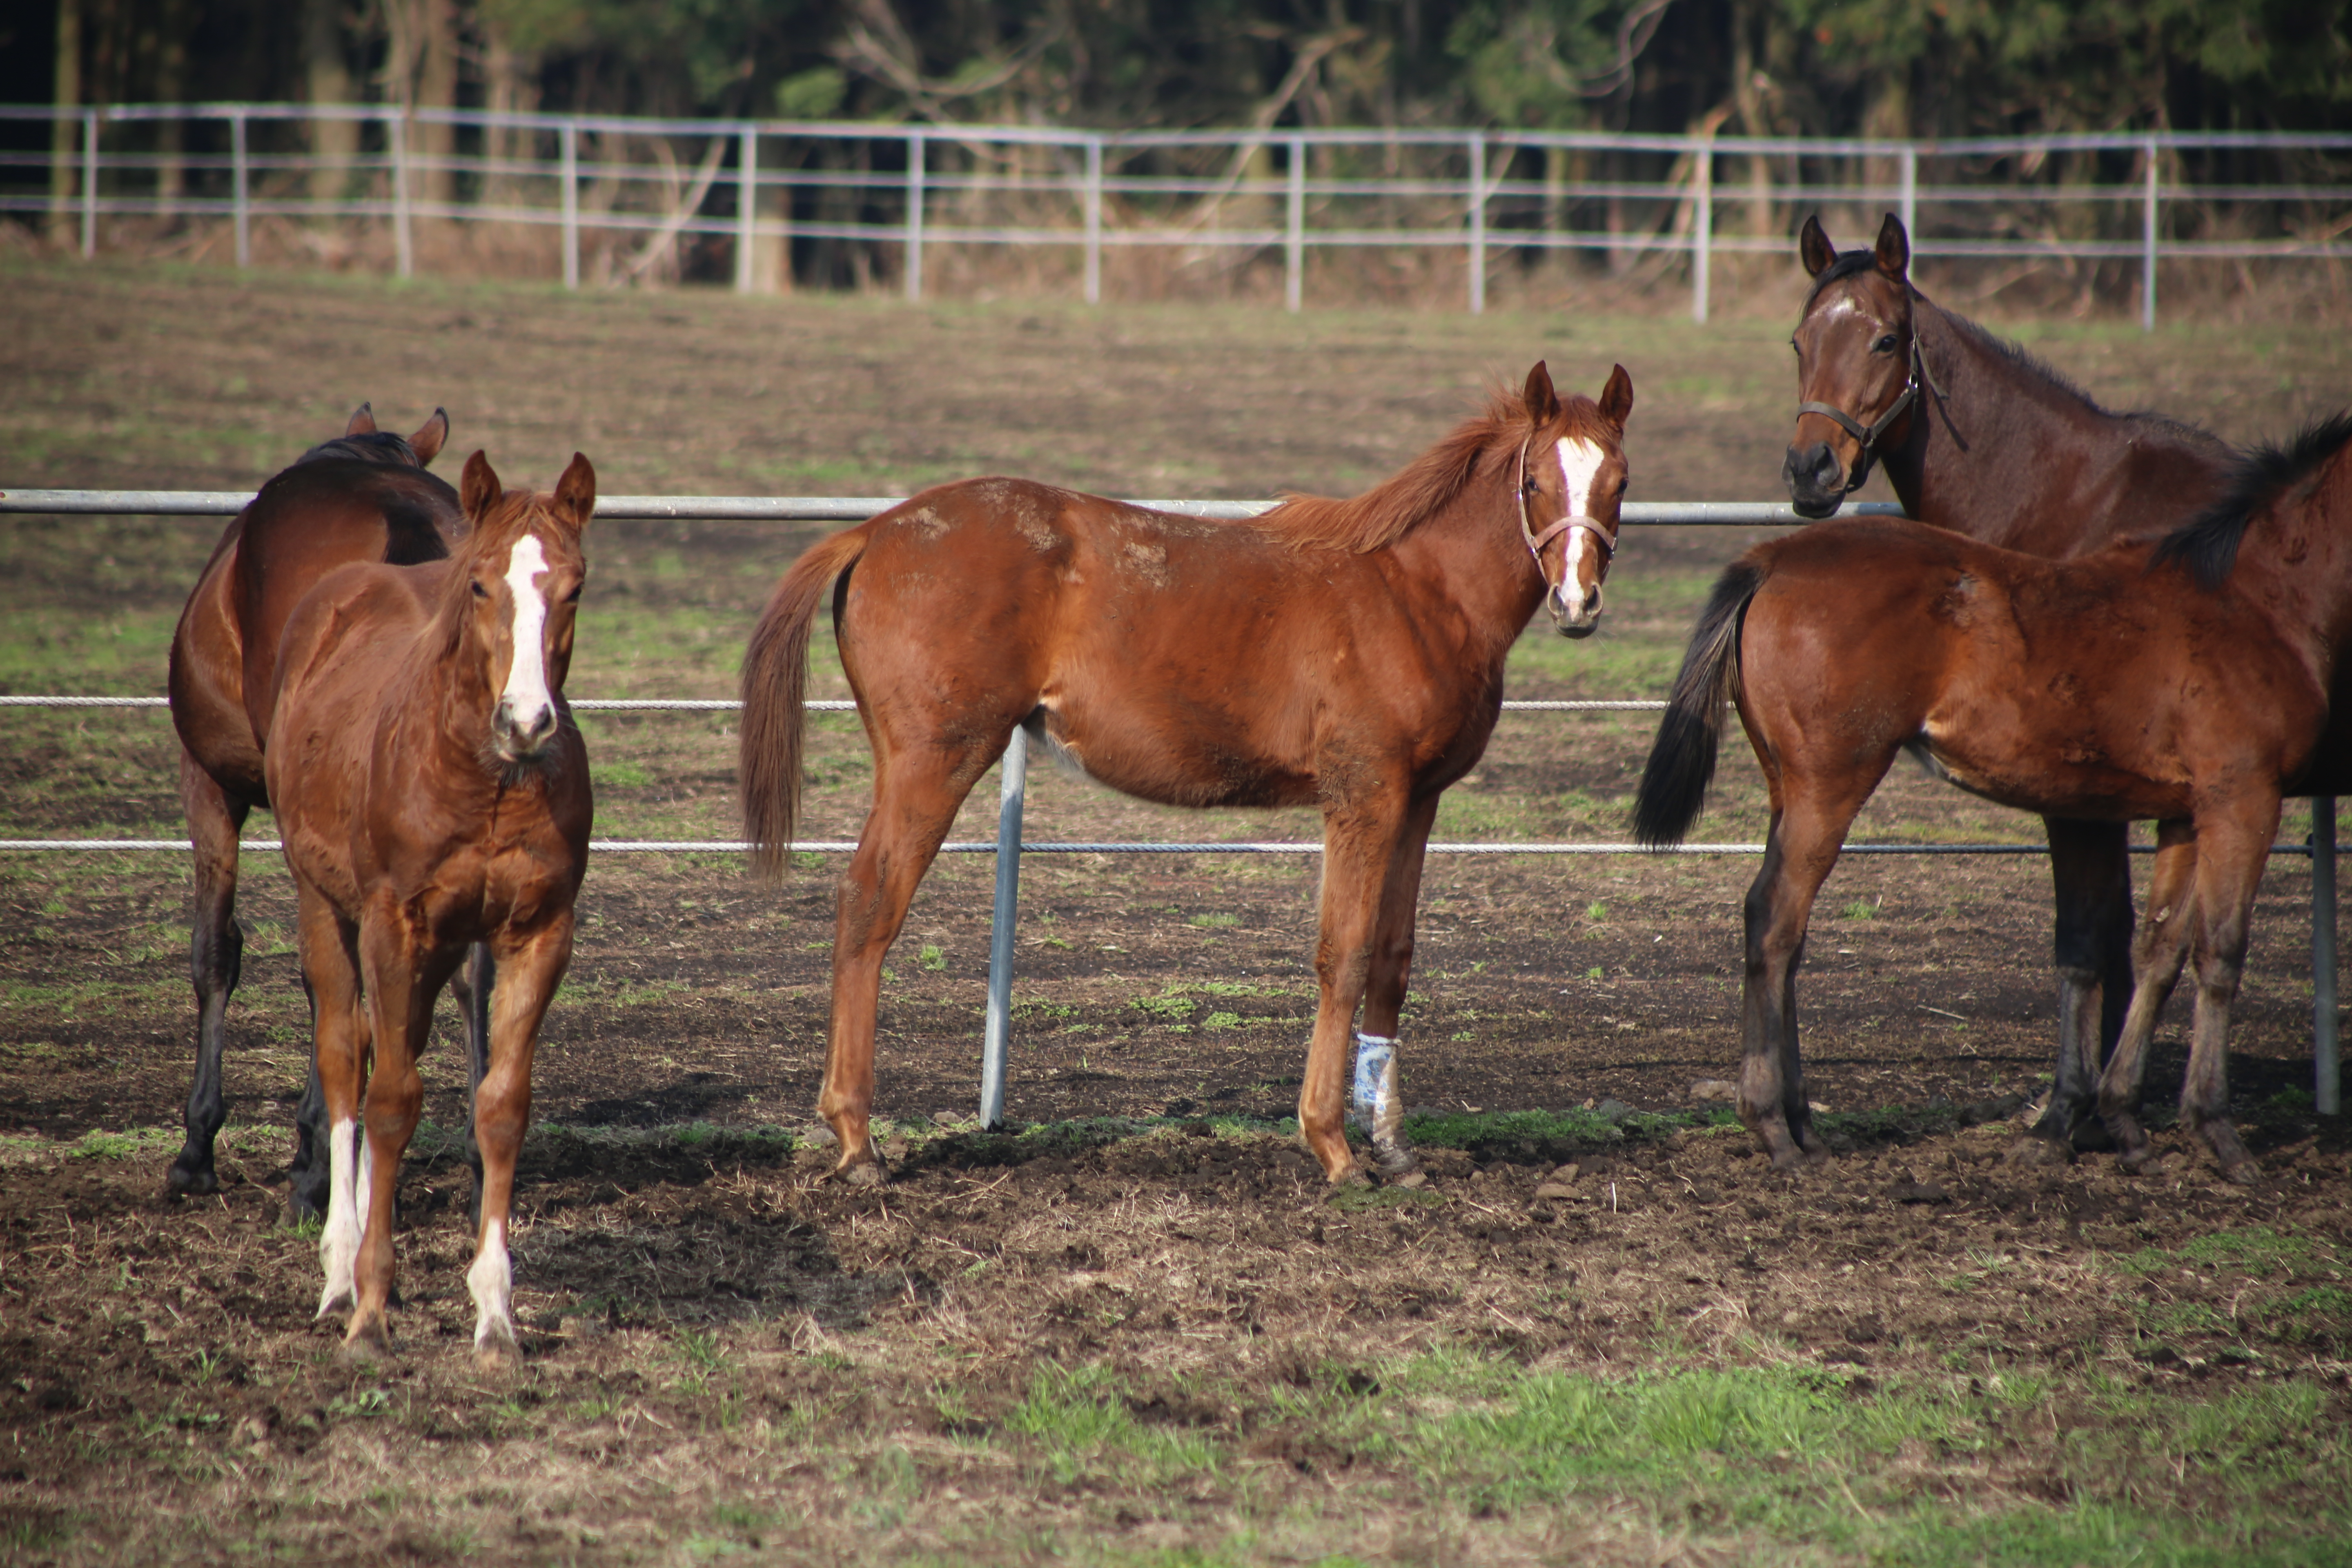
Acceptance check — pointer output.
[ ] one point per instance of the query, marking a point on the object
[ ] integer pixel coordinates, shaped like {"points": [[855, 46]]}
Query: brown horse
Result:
{"points": [[434, 793], [2186, 680], [364, 497], [1342, 654], [1979, 438]]}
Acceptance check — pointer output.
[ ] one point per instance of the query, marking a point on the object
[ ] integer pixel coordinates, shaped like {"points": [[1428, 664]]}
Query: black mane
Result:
{"points": [[373, 447], [2206, 546]]}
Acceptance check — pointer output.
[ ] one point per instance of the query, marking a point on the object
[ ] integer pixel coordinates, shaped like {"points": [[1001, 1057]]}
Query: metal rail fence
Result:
{"points": [[1009, 846], [892, 193]]}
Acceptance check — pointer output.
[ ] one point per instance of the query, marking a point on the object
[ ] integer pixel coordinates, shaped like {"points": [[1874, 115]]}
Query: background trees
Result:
{"points": [[1816, 67]]}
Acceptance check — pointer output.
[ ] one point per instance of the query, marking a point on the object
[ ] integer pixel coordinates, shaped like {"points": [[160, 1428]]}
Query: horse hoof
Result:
{"points": [[365, 1348], [2245, 1174], [865, 1173], [190, 1181], [497, 1354], [2036, 1149], [1349, 1178], [1395, 1161]]}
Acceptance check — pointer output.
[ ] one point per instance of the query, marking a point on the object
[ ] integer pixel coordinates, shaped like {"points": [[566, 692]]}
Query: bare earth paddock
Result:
{"points": [[1136, 1328]]}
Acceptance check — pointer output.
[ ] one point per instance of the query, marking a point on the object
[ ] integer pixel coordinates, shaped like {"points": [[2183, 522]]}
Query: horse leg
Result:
{"points": [[1384, 986], [2230, 855], [393, 959], [1808, 830], [532, 967], [2158, 954], [307, 1178], [909, 820], [2090, 870], [1361, 843], [215, 961], [472, 985], [331, 973]]}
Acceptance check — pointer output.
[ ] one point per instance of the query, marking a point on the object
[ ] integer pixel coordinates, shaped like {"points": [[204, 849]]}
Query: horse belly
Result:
{"points": [[1172, 752]]}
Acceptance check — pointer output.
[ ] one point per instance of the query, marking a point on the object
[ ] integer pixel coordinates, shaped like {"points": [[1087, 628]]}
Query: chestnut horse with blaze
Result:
{"points": [[434, 793], [363, 497], [2185, 679], [1342, 654]]}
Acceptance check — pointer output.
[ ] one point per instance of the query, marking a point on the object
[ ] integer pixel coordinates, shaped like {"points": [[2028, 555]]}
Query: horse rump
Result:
{"points": [[1682, 759]]}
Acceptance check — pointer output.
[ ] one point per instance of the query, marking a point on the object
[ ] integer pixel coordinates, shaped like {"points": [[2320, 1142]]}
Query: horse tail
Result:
{"points": [[775, 682], [1682, 759]]}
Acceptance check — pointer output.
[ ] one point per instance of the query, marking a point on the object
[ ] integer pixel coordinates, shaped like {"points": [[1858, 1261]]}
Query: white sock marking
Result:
{"points": [[492, 1281], [339, 1242]]}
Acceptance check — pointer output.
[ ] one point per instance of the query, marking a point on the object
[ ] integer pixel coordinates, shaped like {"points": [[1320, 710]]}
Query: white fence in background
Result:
{"points": [[884, 195]]}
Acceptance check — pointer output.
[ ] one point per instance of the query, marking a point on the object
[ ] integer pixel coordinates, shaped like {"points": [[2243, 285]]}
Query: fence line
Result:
{"points": [[1197, 192], [1008, 847]]}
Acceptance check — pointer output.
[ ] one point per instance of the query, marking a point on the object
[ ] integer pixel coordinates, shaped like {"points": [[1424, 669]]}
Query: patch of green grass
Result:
{"points": [[618, 776], [1217, 919], [2254, 1250], [129, 1144], [1078, 1424]]}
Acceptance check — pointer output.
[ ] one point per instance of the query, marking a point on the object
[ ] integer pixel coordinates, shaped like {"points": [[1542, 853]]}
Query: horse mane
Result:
{"points": [[1414, 493], [2206, 546], [2024, 359], [373, 447]]}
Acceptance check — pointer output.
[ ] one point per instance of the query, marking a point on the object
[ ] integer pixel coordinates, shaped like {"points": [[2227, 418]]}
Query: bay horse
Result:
{"points": [[1981, 438], [1342, 654], [433, 793], [364, 495], [2185, 680]]}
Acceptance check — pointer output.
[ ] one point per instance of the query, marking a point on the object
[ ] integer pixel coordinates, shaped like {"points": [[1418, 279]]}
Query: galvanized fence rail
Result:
{"points": [[2138, 198], [1009, 845]]}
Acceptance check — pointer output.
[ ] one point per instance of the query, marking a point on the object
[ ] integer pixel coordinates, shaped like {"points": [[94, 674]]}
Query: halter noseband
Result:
{"points": [[1868, 435], [1606, 542]]}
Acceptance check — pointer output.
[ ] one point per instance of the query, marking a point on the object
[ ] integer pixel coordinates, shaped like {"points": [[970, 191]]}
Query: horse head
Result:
{"points": [[1858, 368], [1571, 473], [520, 576]]}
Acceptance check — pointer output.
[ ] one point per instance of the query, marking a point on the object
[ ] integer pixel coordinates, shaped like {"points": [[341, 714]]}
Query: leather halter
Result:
{"points": [[1606, 542], [1868, 435]]}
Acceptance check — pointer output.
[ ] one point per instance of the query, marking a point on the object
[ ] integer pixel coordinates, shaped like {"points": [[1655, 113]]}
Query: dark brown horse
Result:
{"points": [[433, 793], [364, 497], [2186, 680], [1979, 438], [1342, 654]]}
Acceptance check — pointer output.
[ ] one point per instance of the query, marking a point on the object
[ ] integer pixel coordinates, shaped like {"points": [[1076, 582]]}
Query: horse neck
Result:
{"points": [[2295, 563], [1471, 554], [1996, 419]]}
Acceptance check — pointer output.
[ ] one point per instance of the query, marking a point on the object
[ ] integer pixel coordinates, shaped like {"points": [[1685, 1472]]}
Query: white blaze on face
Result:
{"points": [[338, 1241], [491, 1282], [525, 697], [1579, 465]]}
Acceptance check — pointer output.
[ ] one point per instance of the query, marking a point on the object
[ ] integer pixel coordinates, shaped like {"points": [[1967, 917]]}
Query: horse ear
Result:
{"points": [[478, 488], [428, 443], [1617, 399], [1894, 249], [1543, 402], [1814, 246], [576, 492], [363, 421]]}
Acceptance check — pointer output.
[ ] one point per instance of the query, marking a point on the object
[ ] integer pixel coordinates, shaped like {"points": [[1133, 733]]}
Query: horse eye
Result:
{"points": [[480, 592], [1886, 345], [573, 597]]}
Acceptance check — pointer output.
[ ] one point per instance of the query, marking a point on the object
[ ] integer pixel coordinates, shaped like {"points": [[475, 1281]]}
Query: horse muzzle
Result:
{"points": [[520, 737], [1816, 480], [1574, 614]]}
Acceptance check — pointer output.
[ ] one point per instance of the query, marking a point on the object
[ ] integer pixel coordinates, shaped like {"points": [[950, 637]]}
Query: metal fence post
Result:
{"points": [[1909, 196], [747, 190], [1701, 226], [1477, 225], [88, 185], [2148, 247], [915, 216], [1294, 230], [403, 241], [996, 1040], [1094, 219], [239, 184], [2325, 1091], [568, 142]]}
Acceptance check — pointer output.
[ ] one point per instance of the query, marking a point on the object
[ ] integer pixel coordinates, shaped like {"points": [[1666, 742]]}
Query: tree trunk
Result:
{"points": [[172, 27], [64, 131], [327, 79]]}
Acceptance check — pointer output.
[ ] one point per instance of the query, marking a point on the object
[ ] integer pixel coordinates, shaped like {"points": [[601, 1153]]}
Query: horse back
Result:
{"points": [[307, 523]]}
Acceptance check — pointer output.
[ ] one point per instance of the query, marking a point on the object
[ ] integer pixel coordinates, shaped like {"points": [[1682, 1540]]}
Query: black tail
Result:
{"points": [[1682, 759]]}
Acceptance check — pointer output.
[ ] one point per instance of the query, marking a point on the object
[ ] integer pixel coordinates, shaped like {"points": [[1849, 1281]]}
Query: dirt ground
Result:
{"points": [[724, 1349]]}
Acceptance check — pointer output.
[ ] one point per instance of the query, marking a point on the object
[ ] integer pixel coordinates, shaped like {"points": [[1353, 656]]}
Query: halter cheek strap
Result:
{"points": [[1602, 540], [1868, 435]]}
